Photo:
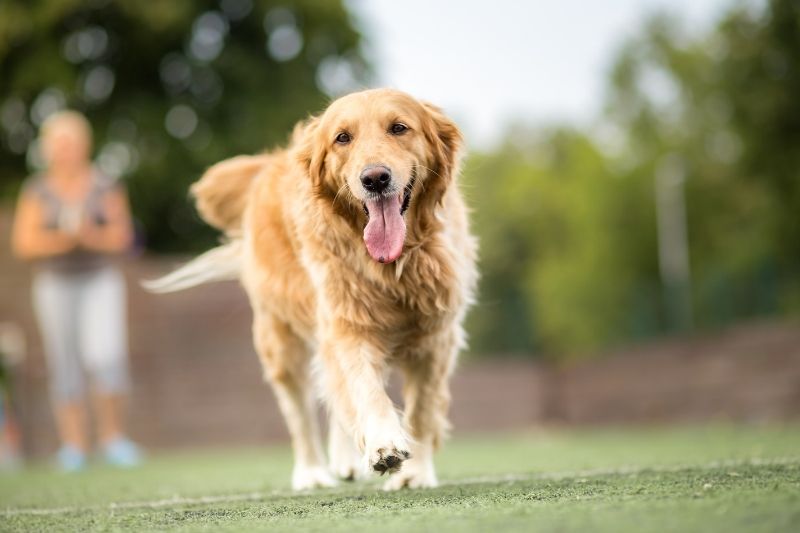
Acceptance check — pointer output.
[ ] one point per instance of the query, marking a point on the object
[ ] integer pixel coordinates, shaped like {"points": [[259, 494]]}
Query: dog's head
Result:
{"points": [[381, 152]]}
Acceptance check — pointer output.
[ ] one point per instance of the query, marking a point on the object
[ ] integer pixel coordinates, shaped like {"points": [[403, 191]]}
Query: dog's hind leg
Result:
{"points": [[286, 361]]}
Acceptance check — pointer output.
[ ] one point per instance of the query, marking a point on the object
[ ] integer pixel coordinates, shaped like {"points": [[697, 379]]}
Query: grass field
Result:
{"points": [[719, 478]]}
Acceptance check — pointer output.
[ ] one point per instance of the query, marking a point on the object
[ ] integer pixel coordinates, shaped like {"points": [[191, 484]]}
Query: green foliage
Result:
{"points": [[762, 65], [573, 250], [568, 230], [671, 98], [171, 86]]}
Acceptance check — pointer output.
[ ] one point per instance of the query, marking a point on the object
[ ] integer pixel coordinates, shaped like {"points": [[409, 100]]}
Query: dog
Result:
{"points": [[354, 248]]}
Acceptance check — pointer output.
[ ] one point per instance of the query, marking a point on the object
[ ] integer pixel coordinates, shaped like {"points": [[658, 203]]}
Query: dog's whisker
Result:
{"points": [[428, 169], [336, 196]]}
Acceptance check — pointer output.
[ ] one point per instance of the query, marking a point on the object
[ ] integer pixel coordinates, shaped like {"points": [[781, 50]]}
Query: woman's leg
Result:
{"points": [[71, 420], [54, 300], [109, 409], [103, 341]]}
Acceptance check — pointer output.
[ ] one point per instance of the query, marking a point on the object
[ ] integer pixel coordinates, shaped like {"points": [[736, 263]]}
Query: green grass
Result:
{"points": [[720, 478]]}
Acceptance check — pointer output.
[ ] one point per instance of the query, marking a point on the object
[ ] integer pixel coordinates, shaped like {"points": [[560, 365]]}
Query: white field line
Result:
{"points": [[509, 478]]}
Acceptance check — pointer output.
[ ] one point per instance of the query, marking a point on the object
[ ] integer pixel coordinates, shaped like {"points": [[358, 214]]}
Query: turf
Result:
{"points": [[720, 478]]}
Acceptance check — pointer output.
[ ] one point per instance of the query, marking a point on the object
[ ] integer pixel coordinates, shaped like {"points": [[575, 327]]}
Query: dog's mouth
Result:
{"points": [[385, 231]]}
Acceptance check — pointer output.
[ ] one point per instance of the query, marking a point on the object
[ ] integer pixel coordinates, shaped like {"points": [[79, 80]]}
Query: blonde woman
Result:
{"points": [[70, 221]]}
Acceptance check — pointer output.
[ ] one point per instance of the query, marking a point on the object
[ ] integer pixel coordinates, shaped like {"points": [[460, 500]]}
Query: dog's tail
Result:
{"points": [[221, 197], [221, 194], [223, 263]]}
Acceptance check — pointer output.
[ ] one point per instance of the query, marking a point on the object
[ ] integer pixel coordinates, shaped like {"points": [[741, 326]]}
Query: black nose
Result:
{"points": [[376, 178]]}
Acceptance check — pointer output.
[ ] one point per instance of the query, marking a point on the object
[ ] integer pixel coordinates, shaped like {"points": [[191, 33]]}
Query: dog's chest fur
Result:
{"points": [[393, 304]]}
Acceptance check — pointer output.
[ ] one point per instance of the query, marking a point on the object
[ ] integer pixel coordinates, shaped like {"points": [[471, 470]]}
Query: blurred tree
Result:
{"points": [[567, 247], [761, 67], [171, 86], [709, 105], [568, 230]]}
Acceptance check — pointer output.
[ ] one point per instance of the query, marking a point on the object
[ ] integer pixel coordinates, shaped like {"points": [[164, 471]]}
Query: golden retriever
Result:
{"points": [[354, 248]]}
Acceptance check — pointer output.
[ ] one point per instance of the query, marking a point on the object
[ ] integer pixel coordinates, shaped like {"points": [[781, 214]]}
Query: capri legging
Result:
{"points": [[82, 321]]}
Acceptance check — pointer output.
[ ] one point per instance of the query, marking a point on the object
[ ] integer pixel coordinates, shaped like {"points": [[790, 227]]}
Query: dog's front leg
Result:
{"points": [[355, 391]]}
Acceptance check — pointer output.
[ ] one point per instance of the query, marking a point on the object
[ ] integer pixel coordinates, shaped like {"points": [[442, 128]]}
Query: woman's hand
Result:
{"points": [[30, 239], [116, 235], [91, 236]]}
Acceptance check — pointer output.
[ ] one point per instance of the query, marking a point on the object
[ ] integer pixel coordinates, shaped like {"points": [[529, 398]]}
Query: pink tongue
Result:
{"points": [[386, 229]]}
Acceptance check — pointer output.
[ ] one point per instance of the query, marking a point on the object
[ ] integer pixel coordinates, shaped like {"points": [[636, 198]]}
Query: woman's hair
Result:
{"points": [[73, 118]]}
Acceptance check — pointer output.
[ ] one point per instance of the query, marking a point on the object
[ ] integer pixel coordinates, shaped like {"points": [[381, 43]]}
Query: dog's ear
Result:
{"points": [[310, 152], [445, 140]]}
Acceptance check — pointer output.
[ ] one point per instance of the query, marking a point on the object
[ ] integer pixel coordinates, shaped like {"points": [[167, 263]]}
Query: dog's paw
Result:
{"points": [[387, 459], [415, 475], [386, 446], [312, 477]]}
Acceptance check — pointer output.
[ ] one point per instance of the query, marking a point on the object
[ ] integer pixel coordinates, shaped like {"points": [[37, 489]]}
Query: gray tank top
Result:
{"points": [[57, 213]]}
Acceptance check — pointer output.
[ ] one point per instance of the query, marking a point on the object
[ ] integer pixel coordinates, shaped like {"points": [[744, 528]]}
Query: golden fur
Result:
{"points": [[318, 295]]}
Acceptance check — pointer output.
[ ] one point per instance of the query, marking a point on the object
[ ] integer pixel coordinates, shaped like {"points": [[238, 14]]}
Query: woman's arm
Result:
{"points": [[30, 239], [116, 235]]}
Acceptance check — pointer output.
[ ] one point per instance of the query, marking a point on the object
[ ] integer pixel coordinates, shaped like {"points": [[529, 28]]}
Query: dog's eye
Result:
{"points": [[398, 128], [343, 138]]}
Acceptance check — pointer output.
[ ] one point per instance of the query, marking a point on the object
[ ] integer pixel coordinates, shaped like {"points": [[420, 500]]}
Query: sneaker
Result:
{"points": [[71, 459], [122, 452]]}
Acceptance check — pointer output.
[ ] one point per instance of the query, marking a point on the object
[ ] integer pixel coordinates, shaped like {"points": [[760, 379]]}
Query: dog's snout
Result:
{"points": [[376, 178]]}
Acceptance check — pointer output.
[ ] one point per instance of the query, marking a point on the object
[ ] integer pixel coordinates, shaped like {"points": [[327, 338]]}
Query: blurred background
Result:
{"points": [[633, 169]]}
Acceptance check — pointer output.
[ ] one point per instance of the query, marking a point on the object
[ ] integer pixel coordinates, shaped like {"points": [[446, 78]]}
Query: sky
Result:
{"points": [[489, 63]]}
